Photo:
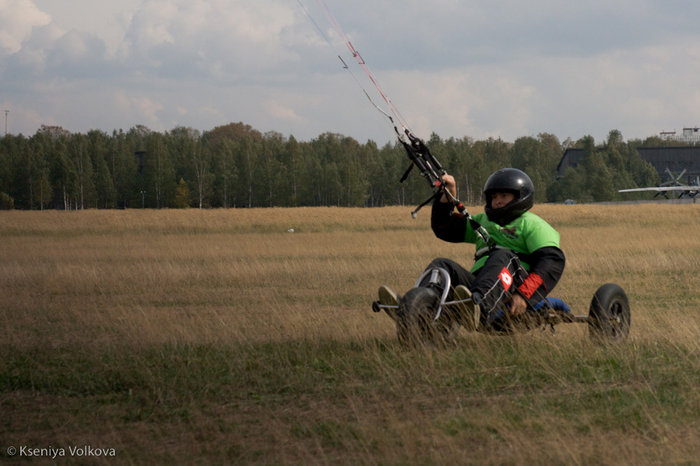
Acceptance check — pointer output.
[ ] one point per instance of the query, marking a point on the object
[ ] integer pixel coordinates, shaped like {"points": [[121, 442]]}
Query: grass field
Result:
{"points": [[218, 337]]}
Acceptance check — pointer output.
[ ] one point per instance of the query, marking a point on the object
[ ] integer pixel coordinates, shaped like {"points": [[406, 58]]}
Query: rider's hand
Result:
{"points": [[450, 185], [518, 305]]}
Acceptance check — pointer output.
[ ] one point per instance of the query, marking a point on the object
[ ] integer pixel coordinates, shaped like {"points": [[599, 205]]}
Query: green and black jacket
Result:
{"points": [[533, 239]]}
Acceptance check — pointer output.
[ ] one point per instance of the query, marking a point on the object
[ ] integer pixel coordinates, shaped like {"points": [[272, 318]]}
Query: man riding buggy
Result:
{"points": [[517, 263]]}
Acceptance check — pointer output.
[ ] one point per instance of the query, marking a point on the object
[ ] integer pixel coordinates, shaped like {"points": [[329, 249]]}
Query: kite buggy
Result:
{"points": [[424, 315]]}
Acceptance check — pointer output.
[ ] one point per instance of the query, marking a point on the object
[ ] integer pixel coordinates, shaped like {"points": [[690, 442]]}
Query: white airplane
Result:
{"points": [[688, 190]]}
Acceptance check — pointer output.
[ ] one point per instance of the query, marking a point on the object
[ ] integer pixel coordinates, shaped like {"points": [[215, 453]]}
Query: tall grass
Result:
{"points": [[221, 336]]}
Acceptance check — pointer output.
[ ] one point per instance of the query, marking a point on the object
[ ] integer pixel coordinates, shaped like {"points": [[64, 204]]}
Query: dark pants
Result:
{"points": [[492, 285]]}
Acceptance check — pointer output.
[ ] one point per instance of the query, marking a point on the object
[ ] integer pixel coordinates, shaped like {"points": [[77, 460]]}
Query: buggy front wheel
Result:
{"points": [[416, 324], [609, 314]]}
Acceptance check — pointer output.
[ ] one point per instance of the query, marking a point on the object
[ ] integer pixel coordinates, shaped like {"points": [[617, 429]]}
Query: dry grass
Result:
{"points": [[219, 336]]}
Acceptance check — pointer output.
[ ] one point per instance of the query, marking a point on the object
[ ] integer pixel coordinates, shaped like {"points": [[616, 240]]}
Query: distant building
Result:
{"points": [[571, 158], [689, 136], [676, 159]]}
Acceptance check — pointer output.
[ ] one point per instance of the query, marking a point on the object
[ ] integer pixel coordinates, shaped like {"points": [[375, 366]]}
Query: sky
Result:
{"points": [[477, 68]]}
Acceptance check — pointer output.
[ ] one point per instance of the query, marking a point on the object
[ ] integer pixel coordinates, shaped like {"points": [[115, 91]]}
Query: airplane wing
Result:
{"points": [[661, 189]]}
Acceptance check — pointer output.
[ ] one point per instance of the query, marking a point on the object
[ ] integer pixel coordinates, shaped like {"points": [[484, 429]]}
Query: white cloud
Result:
{"points": [[208, 38], [278, 111], [144, 110], [17, 19]]}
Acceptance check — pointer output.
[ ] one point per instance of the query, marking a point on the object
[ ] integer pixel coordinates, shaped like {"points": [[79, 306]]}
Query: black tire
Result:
{"points": [[609, 316], [416, 323]]}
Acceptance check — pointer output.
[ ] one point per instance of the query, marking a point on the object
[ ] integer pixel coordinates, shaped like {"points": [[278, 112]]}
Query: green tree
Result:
{"points": [[98, 150], [193, 161], [84, 183], [538, 157], [158, 172], [182, 195], [64, 177], [6, 201], [123, 164], [292, 161], [225, 170], [272, 174]]}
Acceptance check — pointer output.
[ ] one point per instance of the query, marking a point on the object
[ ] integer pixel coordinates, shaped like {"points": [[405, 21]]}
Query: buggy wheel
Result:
{"points": [[416, 323], [609, 314]]}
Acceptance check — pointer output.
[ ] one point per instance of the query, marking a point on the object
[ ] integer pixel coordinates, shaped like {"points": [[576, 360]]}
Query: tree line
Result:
{"points": [[236, 165]]}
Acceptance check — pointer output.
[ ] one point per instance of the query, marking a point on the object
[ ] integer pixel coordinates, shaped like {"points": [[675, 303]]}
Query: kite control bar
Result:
{"points": [[420, 156], [431, 170]]}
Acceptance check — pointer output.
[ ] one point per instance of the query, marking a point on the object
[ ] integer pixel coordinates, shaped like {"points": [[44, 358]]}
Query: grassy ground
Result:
{"points": [[220, 337]]}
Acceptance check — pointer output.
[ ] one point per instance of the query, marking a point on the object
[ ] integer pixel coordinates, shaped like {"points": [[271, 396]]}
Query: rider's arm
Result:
{"points": [[546, 268], [447, 224]]}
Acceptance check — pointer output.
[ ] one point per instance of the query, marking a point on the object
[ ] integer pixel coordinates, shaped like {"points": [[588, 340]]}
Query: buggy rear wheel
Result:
{"points": [[416, 324], [609, 316]]}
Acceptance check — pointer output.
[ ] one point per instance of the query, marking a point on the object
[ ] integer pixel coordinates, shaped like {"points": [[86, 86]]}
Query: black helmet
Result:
{"points": [[513, 181]]}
